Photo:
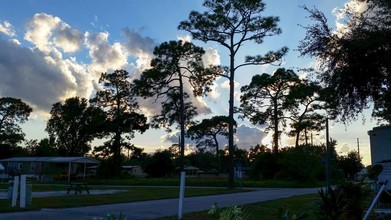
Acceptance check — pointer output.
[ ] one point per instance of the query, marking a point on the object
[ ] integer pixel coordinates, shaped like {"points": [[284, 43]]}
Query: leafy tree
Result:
{"points": [[302, 163], [256, 151], [175, 64], [122, 114], [355, 59], [12, 112], [46, 147], [265, 166], [159, 164], [266, 100], [350, 164], [306, 117], [232, 24], [205, 133], [74, 125], [205, 161]]}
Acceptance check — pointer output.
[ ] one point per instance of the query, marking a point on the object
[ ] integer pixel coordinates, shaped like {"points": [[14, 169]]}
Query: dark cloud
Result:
{"points": [[25, 74], [138, 44]]}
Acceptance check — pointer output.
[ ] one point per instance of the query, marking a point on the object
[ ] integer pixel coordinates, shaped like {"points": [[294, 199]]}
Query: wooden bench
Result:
{"points": [[78, 188]]}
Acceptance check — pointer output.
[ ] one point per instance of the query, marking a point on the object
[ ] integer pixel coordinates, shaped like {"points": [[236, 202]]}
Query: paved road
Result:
{"points": [[159, 208]]}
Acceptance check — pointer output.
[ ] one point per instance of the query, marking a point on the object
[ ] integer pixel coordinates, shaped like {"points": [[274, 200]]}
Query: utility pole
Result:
{"points": [[358, 147]]}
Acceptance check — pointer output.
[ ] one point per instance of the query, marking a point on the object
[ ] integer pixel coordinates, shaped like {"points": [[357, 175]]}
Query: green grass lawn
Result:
{"points": [[131, 195], [271, 210]]}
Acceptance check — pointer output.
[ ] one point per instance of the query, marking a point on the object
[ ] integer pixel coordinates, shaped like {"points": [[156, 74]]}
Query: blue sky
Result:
{"points": [[53, 50]]}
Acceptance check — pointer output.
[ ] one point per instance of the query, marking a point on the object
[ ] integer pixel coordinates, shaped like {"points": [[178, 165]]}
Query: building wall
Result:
{"points": [[380, 140]]}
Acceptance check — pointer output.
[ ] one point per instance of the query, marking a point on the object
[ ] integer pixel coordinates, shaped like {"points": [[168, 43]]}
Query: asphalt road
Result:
{"points": [[159, 208]]}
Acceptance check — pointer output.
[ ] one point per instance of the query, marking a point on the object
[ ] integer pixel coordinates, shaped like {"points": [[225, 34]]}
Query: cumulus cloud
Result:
{"points": [[341, 14], [46, 31], [7, 29], [245, 137], [185, 38], [68, 39], [139, 47], [27, 75], [105, 56], [42, 76], [211, 57]]}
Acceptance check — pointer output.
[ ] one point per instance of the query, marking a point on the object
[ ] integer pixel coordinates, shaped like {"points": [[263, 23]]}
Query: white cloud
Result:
{"points": [[140, 48], [185, 38], [27, 75], [342, 14], [225, 84], [45, 30], [211, 57], [15, 41], [42, 76], [68, 39], [7, 29], [105, 56]]}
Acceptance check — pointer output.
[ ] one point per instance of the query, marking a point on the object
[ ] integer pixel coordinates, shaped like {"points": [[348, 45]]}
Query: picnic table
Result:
{"points": [[78, 188]]}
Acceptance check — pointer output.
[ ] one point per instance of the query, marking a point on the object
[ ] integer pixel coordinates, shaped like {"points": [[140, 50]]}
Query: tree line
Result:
{"points": [[354, 72]]}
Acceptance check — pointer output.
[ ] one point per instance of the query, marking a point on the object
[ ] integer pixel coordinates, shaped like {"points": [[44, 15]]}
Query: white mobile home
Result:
{"points": [[380, 140]]}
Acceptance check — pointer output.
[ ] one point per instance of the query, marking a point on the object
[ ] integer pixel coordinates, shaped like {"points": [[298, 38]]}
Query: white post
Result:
{"points": [[15, 191], [181, 194], [22, 191]]}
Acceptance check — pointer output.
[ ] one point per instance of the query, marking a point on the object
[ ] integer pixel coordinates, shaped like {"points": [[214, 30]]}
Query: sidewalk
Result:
{"points": [[159, 208]]}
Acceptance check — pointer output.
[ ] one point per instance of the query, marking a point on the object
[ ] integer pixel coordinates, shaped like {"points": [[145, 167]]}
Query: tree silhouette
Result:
{"points": [[266, 100], [205, 133], [74, 125], [12, 112], [354, 60], [122, 113], [232, 24], [175, 64]]}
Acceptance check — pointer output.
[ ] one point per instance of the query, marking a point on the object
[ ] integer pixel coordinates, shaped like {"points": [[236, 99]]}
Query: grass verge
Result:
{"points": [[271, 210], [133, 194]]}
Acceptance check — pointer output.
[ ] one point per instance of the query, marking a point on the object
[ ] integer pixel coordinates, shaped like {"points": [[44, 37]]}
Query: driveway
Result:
{"points": [[160, 208]]}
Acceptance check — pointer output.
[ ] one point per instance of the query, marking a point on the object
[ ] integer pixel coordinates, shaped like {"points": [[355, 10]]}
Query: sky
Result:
{"points": [[54, 50]]}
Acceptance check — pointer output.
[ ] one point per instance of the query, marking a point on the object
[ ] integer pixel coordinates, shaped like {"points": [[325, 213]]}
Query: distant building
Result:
{"points": [[380, 140], [47, 168]]}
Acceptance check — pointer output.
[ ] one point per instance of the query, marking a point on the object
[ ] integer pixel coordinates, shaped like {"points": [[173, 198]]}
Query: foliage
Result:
{"points": [[309, 97], [266, 100], [12, 112], [74, 125], [122, 114], [229, 213], [46, 147], [302, 163], [347, 201], [264, 166], [205, 133], [233, 24], [350, 164], [160, 164], [205, 161], [256, 151], [354, 59]]}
